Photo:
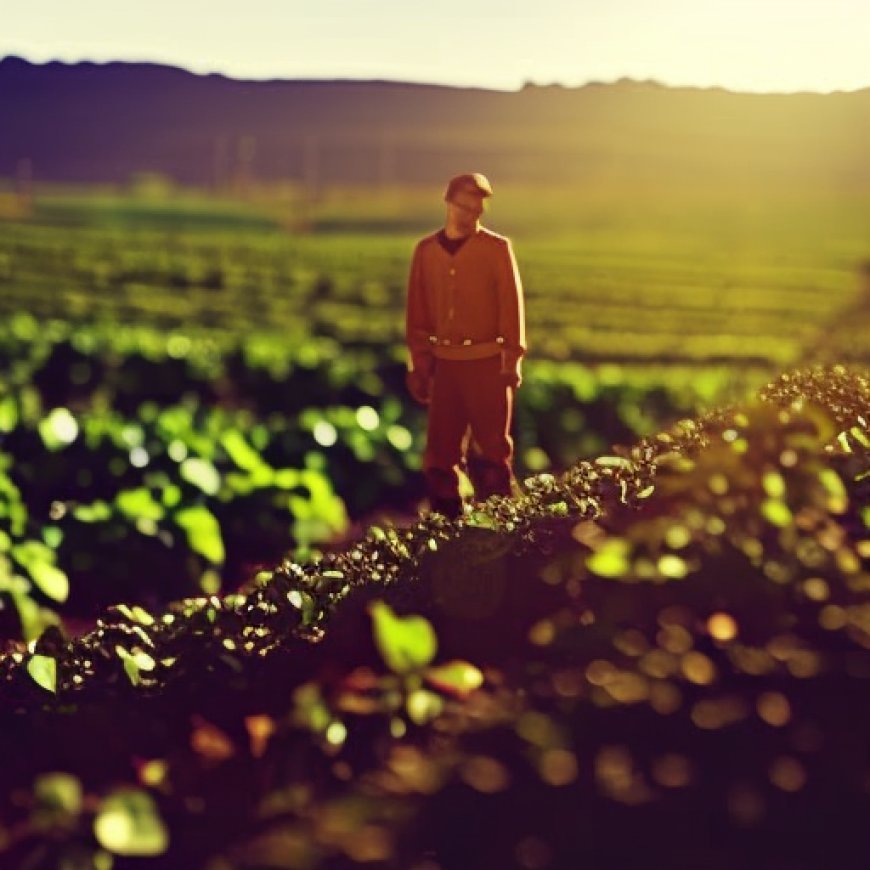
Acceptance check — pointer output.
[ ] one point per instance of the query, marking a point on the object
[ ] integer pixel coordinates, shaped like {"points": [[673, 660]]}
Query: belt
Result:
{"points": [[462, 342]]}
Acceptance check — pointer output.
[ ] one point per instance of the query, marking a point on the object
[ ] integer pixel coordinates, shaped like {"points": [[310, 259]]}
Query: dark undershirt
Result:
{"points": [[451, 245]]}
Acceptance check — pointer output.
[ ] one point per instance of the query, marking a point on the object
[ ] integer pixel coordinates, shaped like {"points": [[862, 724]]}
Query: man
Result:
{"points": [[465, 331]]}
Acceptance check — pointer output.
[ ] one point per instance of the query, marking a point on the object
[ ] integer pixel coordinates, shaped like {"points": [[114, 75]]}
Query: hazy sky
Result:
{"points": [[757, 45]]}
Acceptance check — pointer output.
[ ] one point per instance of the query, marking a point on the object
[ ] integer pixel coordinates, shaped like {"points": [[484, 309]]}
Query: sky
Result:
{"points": [[743, 45]]}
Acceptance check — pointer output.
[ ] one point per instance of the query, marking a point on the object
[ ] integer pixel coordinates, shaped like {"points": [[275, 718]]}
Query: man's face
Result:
{"points": [[465, 208]]}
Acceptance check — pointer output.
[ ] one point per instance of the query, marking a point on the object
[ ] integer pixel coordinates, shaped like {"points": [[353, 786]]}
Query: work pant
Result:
{"points": [[469, 426]]}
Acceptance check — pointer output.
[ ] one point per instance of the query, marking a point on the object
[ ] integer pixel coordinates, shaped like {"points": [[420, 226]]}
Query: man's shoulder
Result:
{"points": [[428, 240], [488, 237]]}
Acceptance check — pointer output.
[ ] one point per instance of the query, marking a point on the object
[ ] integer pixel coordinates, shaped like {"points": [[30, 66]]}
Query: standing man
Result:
{"points": [[465, 331]]}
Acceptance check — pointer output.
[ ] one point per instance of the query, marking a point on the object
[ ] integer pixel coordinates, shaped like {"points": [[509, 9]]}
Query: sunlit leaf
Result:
{"points": [[774, 484], [8, 414], [135, 614], [406, 643], [59, 792], [838, 497], [128, 823], [672, 566], [201, 473], [423, 706], [97, 512], [305, 603], [139, 503], [50, 580], [58, 429], [240, 451], [43, 671], [203, 532], [38, 559], [614, 462], [776, 512], [134, 663], [34, 619], [611, 559], [860, 436], [455, 678]]}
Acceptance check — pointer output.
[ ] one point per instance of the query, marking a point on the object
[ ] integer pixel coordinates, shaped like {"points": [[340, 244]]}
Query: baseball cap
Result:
{"points": [[476, 182]]}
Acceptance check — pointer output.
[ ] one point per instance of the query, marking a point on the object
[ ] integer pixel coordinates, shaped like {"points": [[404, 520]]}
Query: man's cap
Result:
{"points": [[473, 182]]}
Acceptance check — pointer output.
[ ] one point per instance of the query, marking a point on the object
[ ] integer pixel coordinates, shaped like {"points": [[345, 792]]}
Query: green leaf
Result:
{"points": [[454, 678], [201, 473], [325, 504], [134, 663], [135, 613], [614, 462], [128, 823], [203, 532], [776, 513], [43, 671], [860, 436], [838, 497], [38, 560], [673, 567], [611, 559], [34, 619], [774, 484], [8, 414], [139, 503], [50, 580], [423, 706], [304, 603], [58, 429], [171, 495], [97, 512], [59, 792], [241, 452], [286, 478], [406, 643]]}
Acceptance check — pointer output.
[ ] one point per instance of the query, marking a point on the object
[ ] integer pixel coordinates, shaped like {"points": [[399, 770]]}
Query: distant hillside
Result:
{"points": [[104, 122]]}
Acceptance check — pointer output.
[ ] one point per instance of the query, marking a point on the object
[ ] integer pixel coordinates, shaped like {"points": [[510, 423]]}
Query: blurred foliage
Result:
{"points": [[675, 660], [141, 466]]}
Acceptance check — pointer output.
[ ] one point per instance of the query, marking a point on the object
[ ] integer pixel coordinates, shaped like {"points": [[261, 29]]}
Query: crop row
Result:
{"points": [[664, 648], [130, 453], [352, 289]]}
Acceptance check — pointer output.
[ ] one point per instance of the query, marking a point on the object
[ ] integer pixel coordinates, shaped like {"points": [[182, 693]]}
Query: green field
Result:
{"points": [[629, 278], [176, 365], [230, 640]]}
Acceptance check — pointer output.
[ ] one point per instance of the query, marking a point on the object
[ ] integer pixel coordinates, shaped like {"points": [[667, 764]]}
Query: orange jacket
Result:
{"points": [[465, 306]]}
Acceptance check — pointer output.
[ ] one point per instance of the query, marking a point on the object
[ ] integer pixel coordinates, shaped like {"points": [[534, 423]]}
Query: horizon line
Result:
{"points": [[528, 84]]}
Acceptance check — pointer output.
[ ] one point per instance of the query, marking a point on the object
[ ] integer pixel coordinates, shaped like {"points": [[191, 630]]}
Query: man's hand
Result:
{"points": [[419, 386]]}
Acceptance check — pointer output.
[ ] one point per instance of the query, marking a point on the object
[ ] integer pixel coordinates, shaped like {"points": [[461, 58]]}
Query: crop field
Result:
{"points": [[176, 364], [637, 281], [232, 641]]}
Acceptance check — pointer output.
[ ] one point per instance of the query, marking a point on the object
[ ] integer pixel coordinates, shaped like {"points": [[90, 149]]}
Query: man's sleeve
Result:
{"points": [[511, 311], [418, 327]]}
